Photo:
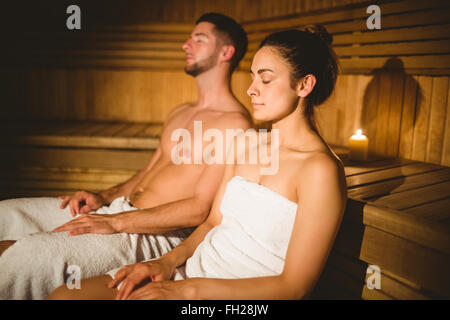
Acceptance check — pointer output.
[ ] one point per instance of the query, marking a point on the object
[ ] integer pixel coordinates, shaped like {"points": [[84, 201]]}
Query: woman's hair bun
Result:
{"points": [[319, 31]]}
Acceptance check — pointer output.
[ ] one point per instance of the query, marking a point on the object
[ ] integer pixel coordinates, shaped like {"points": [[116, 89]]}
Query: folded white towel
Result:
{"points": [[253, 237], [38, 262]]}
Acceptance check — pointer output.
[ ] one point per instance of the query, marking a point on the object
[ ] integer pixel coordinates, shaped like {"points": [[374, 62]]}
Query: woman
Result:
{"points": [[267, 237]]}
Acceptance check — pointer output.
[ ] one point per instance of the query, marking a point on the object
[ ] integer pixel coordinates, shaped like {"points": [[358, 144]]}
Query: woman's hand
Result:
{"points": [[162, 290], [82, 202], [133, 275]]}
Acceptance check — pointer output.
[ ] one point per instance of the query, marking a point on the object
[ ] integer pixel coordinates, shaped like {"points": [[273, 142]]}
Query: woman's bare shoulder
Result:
{"points": [[320, 165]]}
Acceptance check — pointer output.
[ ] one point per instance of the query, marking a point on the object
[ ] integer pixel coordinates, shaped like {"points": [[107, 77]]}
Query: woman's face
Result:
{"points": [[271, 92]]}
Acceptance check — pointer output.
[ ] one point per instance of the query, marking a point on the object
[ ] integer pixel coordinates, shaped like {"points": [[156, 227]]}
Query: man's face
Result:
{"points": [[201, 49]]}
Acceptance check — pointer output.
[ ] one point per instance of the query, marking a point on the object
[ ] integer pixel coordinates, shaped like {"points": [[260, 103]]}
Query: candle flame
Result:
{"points": [[358, 132]]}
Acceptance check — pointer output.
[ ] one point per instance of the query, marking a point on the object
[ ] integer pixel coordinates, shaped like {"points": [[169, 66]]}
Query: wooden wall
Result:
{"points": [[126, 65], [50, 14], [99, 94], [403, 115]]}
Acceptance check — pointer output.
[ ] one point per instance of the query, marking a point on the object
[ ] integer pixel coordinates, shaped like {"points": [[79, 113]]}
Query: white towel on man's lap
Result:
{"points": [[37, 263]]}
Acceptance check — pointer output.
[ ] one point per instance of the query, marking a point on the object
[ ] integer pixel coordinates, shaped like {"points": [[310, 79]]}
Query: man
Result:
{"points": [[137, 218]]}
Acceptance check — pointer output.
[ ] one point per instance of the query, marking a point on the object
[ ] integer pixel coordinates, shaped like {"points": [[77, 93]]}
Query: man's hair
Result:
{"points": [[230, 32]]}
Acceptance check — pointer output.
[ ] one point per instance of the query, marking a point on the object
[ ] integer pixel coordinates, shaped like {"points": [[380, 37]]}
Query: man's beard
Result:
{"points": [[203, 65]]}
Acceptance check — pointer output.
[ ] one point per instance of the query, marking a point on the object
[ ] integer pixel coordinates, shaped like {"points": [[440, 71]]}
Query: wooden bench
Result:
{"points": [[51, 158], [397, 218]]}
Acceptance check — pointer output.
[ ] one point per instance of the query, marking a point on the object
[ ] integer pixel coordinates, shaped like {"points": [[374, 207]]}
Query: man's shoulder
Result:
{"points": [[233, 120], [235, 117], [178, 109]]}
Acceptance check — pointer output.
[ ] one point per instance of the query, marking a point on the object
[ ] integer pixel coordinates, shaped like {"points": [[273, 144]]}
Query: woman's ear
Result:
{"points": [[306, 85], [227, 52]]}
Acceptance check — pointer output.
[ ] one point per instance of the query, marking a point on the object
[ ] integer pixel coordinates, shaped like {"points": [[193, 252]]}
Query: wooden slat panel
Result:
{"points": [[389, 173], [110, 53], [419, 142], [73, 128], [424, 232], [386, 49], [394, 289], [91, 129], [399, 184], [366, 65], [106, 63], [68, 173], [370, 110], [351, 114], [341, 15], [437, 120], [410, 198], [8, 193], [435, 16], [341, 90], [395, 112], [132, 129], [383, 113], [437, 210], [111, 130], [80, 158], [396, 256], [151, 130], [365, 167], [152, 45], [55, 184], [395, 35], [411, 94], [413, 62], [97, 36], [423, 266], [445, 160], [409, 48], [375, 295], [82, 141], [164, 28], [395, 21]]}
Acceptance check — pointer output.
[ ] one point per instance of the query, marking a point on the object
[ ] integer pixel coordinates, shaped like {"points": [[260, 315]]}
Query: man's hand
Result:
{"points": [[82, 202], [90, 223], [132, 275]]}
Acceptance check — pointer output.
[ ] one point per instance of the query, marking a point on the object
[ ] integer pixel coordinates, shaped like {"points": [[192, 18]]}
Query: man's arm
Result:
{"points": [[182, 213], [85, 201], [178, 214]]}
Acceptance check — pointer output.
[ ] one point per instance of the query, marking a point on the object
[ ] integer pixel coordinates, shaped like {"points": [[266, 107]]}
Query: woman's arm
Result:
{"points": [[163, 268], [322, 197]]}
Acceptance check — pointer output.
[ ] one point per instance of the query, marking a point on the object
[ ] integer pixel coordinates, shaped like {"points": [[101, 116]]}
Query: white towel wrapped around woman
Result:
{"points": [[252, 239]]}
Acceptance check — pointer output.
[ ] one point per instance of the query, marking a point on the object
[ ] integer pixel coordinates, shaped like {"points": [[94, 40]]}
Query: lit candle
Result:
{"points": [[359, 146]]}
